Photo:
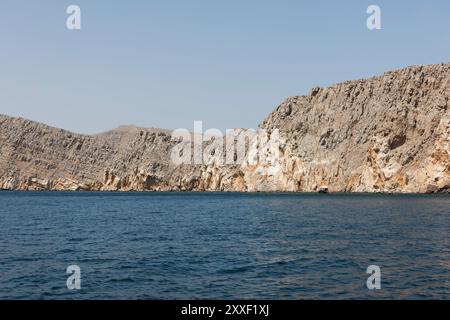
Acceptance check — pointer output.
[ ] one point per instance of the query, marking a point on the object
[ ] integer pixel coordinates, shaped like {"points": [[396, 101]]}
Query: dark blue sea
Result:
{"points": [[223, 246]]}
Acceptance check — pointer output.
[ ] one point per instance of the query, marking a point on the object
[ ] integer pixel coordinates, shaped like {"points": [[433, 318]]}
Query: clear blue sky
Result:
{"points": [[228, 63]]}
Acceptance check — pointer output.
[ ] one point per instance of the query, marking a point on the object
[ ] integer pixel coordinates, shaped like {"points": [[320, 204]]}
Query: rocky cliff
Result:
{"points": [[385, 134]]}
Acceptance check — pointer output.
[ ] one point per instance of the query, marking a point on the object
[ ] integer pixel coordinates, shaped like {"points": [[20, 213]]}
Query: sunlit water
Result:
{"points": [[223, 246]]}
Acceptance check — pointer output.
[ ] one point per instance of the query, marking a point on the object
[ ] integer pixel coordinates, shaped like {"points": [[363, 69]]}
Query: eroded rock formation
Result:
{"points": [[385, 134]]}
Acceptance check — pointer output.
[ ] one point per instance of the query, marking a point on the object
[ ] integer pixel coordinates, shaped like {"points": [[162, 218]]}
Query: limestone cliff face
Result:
{"points": [[34, 156], [385, 134]]}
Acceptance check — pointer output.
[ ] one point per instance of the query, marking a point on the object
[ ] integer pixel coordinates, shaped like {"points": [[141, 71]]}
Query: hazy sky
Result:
{"points": [[228, 63]]}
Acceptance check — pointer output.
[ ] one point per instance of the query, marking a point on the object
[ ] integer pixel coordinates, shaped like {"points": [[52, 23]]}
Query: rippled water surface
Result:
{"points": [[223, 246]]}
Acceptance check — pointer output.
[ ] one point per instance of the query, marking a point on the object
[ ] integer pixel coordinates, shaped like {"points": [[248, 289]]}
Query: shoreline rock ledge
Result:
{"points": [[389, 133]]}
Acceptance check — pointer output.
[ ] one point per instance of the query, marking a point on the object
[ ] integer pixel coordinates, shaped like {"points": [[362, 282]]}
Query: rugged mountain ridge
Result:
{"points": [[384, 134]]}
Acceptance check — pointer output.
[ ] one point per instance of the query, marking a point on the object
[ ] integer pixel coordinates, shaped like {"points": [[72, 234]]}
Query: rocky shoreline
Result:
{"points": [[386, 134]]}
